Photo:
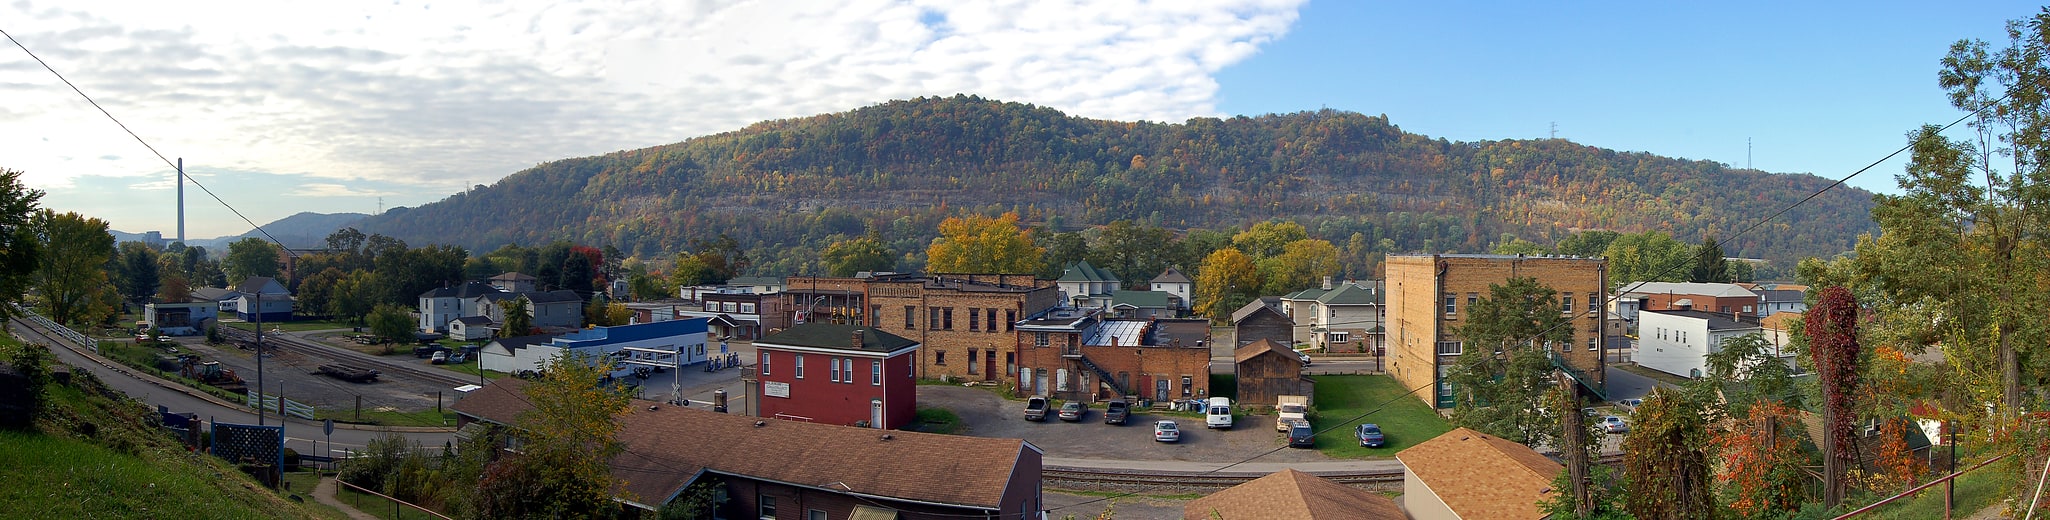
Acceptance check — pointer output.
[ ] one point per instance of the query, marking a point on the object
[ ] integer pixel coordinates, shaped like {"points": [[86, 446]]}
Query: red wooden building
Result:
{"points": [[837, 374]]}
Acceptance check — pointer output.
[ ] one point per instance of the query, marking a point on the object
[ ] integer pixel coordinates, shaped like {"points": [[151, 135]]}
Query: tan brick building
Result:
{"points": [[1428, 295], [1078, 354], [964, 322]]}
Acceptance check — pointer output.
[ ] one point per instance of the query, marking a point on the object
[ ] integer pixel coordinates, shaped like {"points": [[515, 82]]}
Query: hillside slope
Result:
{"points": [[901, 166]]}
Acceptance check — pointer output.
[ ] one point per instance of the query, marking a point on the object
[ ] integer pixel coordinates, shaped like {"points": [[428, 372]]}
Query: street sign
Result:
{"points": [[329, 426]]}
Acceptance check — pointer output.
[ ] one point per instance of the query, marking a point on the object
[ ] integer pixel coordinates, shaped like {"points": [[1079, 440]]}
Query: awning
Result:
{"points": [[862, 512]]}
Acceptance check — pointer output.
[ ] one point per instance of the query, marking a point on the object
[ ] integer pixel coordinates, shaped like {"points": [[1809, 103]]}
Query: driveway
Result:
{"points": [[984, 414], [1625, 385]]}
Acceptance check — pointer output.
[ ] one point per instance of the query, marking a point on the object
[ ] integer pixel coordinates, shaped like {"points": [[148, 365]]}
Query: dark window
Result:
{"points": [[932, 320], [1039, 339], [768, 506], [991, 314], [974, 319], [939, 357], [875, 315], [1010, 319], [1188, 386], [971, 361], [947, 318], [1451, 304], [910, 315]]}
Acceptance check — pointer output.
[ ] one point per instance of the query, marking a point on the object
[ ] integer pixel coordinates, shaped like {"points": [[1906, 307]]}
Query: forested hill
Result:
{"points": [[786, 188]]}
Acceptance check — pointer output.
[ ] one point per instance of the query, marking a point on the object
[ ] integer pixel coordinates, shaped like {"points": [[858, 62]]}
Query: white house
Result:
{"points": [[470, 328], [185, 318], [1085, 286], [1772, 301], [1173, 282], [1678, 341], [1341, 316], [276, 301], [440, 306]]}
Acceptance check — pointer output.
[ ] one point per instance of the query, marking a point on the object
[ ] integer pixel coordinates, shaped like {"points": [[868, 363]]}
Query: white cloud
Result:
{"points": [[444, 95], [335, 190]]}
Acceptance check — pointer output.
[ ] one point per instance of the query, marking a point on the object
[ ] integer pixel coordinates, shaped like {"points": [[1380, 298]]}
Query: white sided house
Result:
{"points": [[1678, 342], [440, 306]]}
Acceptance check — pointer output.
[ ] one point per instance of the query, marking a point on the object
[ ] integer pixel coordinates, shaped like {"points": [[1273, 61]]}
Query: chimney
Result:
{"points": [[1327, 283], [857, 339], [1113, 340]]}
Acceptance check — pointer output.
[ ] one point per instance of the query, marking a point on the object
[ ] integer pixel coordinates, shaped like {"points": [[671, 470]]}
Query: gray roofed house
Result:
{"points": [[1142, 304], [441, 305]]}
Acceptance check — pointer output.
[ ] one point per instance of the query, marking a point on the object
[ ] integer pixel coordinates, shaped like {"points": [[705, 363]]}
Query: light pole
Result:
{"points": [[259, 357]]}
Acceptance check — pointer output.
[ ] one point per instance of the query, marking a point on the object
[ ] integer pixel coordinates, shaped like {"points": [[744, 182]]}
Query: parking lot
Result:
{"points": [[985, 414]]}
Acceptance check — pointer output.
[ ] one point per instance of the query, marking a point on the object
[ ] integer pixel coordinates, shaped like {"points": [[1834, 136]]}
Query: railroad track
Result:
{"points": [[388, 368]]}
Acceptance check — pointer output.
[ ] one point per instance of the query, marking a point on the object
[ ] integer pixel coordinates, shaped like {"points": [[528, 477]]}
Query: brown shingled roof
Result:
{"points": [[668, 446], [1260, 347], [1291, 494], [1482, 476]]}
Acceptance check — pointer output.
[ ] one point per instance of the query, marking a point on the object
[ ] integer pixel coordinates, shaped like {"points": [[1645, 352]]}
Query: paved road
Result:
{"points": [[301, 435], [1625, 385]]}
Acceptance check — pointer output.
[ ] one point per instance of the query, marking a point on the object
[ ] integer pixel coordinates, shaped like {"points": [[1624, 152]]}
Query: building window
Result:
{"points": [[1594, 304], [971, 357], [1449, 348], [833, 364], [747, 308], [974, 323], [1747, 308], [1010, 363], [1339, 337], [1039, 339], [875, 316], [816, 515], [765, 363], [1010, 320], [1188, 386], [990, 317], [767, 507], [875, 373], [910, 315], [847, 367], [1591, 345], [729, 306], [1451, 304], [1566, 304], [947, 318], [932, 318], [939, 357], [711, 306], [800, 366]]}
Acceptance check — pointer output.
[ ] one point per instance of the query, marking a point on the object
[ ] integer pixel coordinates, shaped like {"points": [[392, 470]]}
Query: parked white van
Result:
{"points": [[1218, 414]]}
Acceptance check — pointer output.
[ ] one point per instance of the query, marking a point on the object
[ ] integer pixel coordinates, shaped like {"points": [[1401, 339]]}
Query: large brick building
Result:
{"points": [[1429, 295], [1079, 354], [963, 322]]}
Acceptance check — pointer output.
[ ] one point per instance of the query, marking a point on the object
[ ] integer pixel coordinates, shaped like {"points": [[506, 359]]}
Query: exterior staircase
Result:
{"points": [[1103, 375]]}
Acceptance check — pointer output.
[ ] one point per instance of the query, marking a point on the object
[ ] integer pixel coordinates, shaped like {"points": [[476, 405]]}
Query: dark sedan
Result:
{"points": [[1370, 436]]}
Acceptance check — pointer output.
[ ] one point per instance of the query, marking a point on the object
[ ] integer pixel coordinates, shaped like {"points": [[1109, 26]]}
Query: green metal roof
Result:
{"points": [[1350, 294], [1083, 272], [1140, 299], [837, 336]]}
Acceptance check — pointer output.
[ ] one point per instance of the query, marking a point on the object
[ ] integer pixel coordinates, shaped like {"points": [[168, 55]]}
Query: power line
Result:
{"points": [[145, 143]]}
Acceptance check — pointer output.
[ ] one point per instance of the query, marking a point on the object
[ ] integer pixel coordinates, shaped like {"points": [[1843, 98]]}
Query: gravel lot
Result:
{"points": [[295, 368], [985, 414]]}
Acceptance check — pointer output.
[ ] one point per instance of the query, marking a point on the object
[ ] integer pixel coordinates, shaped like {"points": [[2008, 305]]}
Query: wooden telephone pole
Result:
{"points": [[1573, 446]]}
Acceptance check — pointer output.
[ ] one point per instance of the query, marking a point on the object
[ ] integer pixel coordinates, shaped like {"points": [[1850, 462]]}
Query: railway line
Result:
{"points": [[388, 367]]}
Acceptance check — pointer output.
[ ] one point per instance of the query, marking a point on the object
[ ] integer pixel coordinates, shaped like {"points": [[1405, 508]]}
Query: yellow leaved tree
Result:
{"points": [[980, 244]]}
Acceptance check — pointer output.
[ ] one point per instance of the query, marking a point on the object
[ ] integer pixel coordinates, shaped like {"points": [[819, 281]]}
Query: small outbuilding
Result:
{"points": [[1267, 370]]}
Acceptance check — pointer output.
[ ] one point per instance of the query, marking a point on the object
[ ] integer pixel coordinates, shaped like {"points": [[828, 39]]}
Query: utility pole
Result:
{"points": [[1572, 444], [259, 358], [1555, 129]]}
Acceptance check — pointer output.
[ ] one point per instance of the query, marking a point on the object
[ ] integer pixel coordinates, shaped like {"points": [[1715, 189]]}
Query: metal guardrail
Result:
{"points": [[270, 402], [61, 331]]}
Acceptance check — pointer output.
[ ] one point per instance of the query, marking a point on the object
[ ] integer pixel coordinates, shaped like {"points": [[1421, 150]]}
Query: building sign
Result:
{"points": [[776, 389]]}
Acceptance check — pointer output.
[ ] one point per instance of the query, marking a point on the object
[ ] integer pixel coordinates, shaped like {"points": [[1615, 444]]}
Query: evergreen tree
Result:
{"points": [[1709, 264]]}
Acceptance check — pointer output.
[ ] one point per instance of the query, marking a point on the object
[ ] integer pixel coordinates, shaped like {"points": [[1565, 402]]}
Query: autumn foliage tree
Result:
{"points": [[1226, 281], [1832, 328], [568, 439], [1666, 456], [1761, 461], [980, 244]]}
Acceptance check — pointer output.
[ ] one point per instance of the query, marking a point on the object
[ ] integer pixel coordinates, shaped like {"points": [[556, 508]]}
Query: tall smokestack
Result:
{"points": [[181, 200]]}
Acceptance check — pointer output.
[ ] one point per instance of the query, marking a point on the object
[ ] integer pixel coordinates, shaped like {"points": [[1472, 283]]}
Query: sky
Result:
{"points": [[283, 107]]}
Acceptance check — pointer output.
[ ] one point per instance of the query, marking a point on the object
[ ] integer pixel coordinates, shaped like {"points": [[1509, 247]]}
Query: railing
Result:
{"points": [[270, 402], [1578, 376], [1104, 375], [61, 331]]}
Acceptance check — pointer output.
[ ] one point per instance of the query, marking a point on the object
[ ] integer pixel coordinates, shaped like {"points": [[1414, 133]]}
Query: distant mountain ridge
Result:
{"points": [[786, 188], [302, 230]]}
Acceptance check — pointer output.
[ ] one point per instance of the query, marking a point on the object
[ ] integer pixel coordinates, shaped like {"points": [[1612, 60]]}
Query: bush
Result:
{"points": [[374, 466]]}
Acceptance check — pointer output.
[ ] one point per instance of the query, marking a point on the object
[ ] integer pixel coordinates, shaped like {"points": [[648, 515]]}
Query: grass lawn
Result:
{"points": [[302, 484], [291, 326], [377, 506], [471, 370], [937, 420], [1975, 491], [1405, 420]]}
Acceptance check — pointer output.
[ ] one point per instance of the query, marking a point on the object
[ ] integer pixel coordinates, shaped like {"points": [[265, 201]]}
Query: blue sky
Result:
{"points": [[332, 107], [1822, 88]]}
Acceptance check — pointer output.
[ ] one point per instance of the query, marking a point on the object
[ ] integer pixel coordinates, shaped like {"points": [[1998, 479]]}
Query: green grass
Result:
{"points": [[302, 483], [93, 454], [377, 506], [1975, 491], [1405, 420], [938, 420], [471, 370]]}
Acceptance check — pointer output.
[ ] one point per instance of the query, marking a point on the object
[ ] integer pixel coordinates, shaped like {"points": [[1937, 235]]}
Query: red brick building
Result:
{"points": [[1078, 354], [836, 374]]}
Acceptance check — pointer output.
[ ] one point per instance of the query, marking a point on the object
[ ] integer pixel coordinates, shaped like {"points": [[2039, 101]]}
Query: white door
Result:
{"points": [[875, 413]]}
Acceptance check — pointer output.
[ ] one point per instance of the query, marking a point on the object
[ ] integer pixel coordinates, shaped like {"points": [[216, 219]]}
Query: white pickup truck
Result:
{"points": [[1289, 409]]}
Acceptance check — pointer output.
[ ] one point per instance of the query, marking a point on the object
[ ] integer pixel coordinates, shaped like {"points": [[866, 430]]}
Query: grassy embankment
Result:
{"points": [[1404, 418]]}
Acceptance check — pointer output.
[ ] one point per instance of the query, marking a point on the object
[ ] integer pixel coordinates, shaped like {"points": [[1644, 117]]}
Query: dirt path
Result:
{"points": [[325, 494]]}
